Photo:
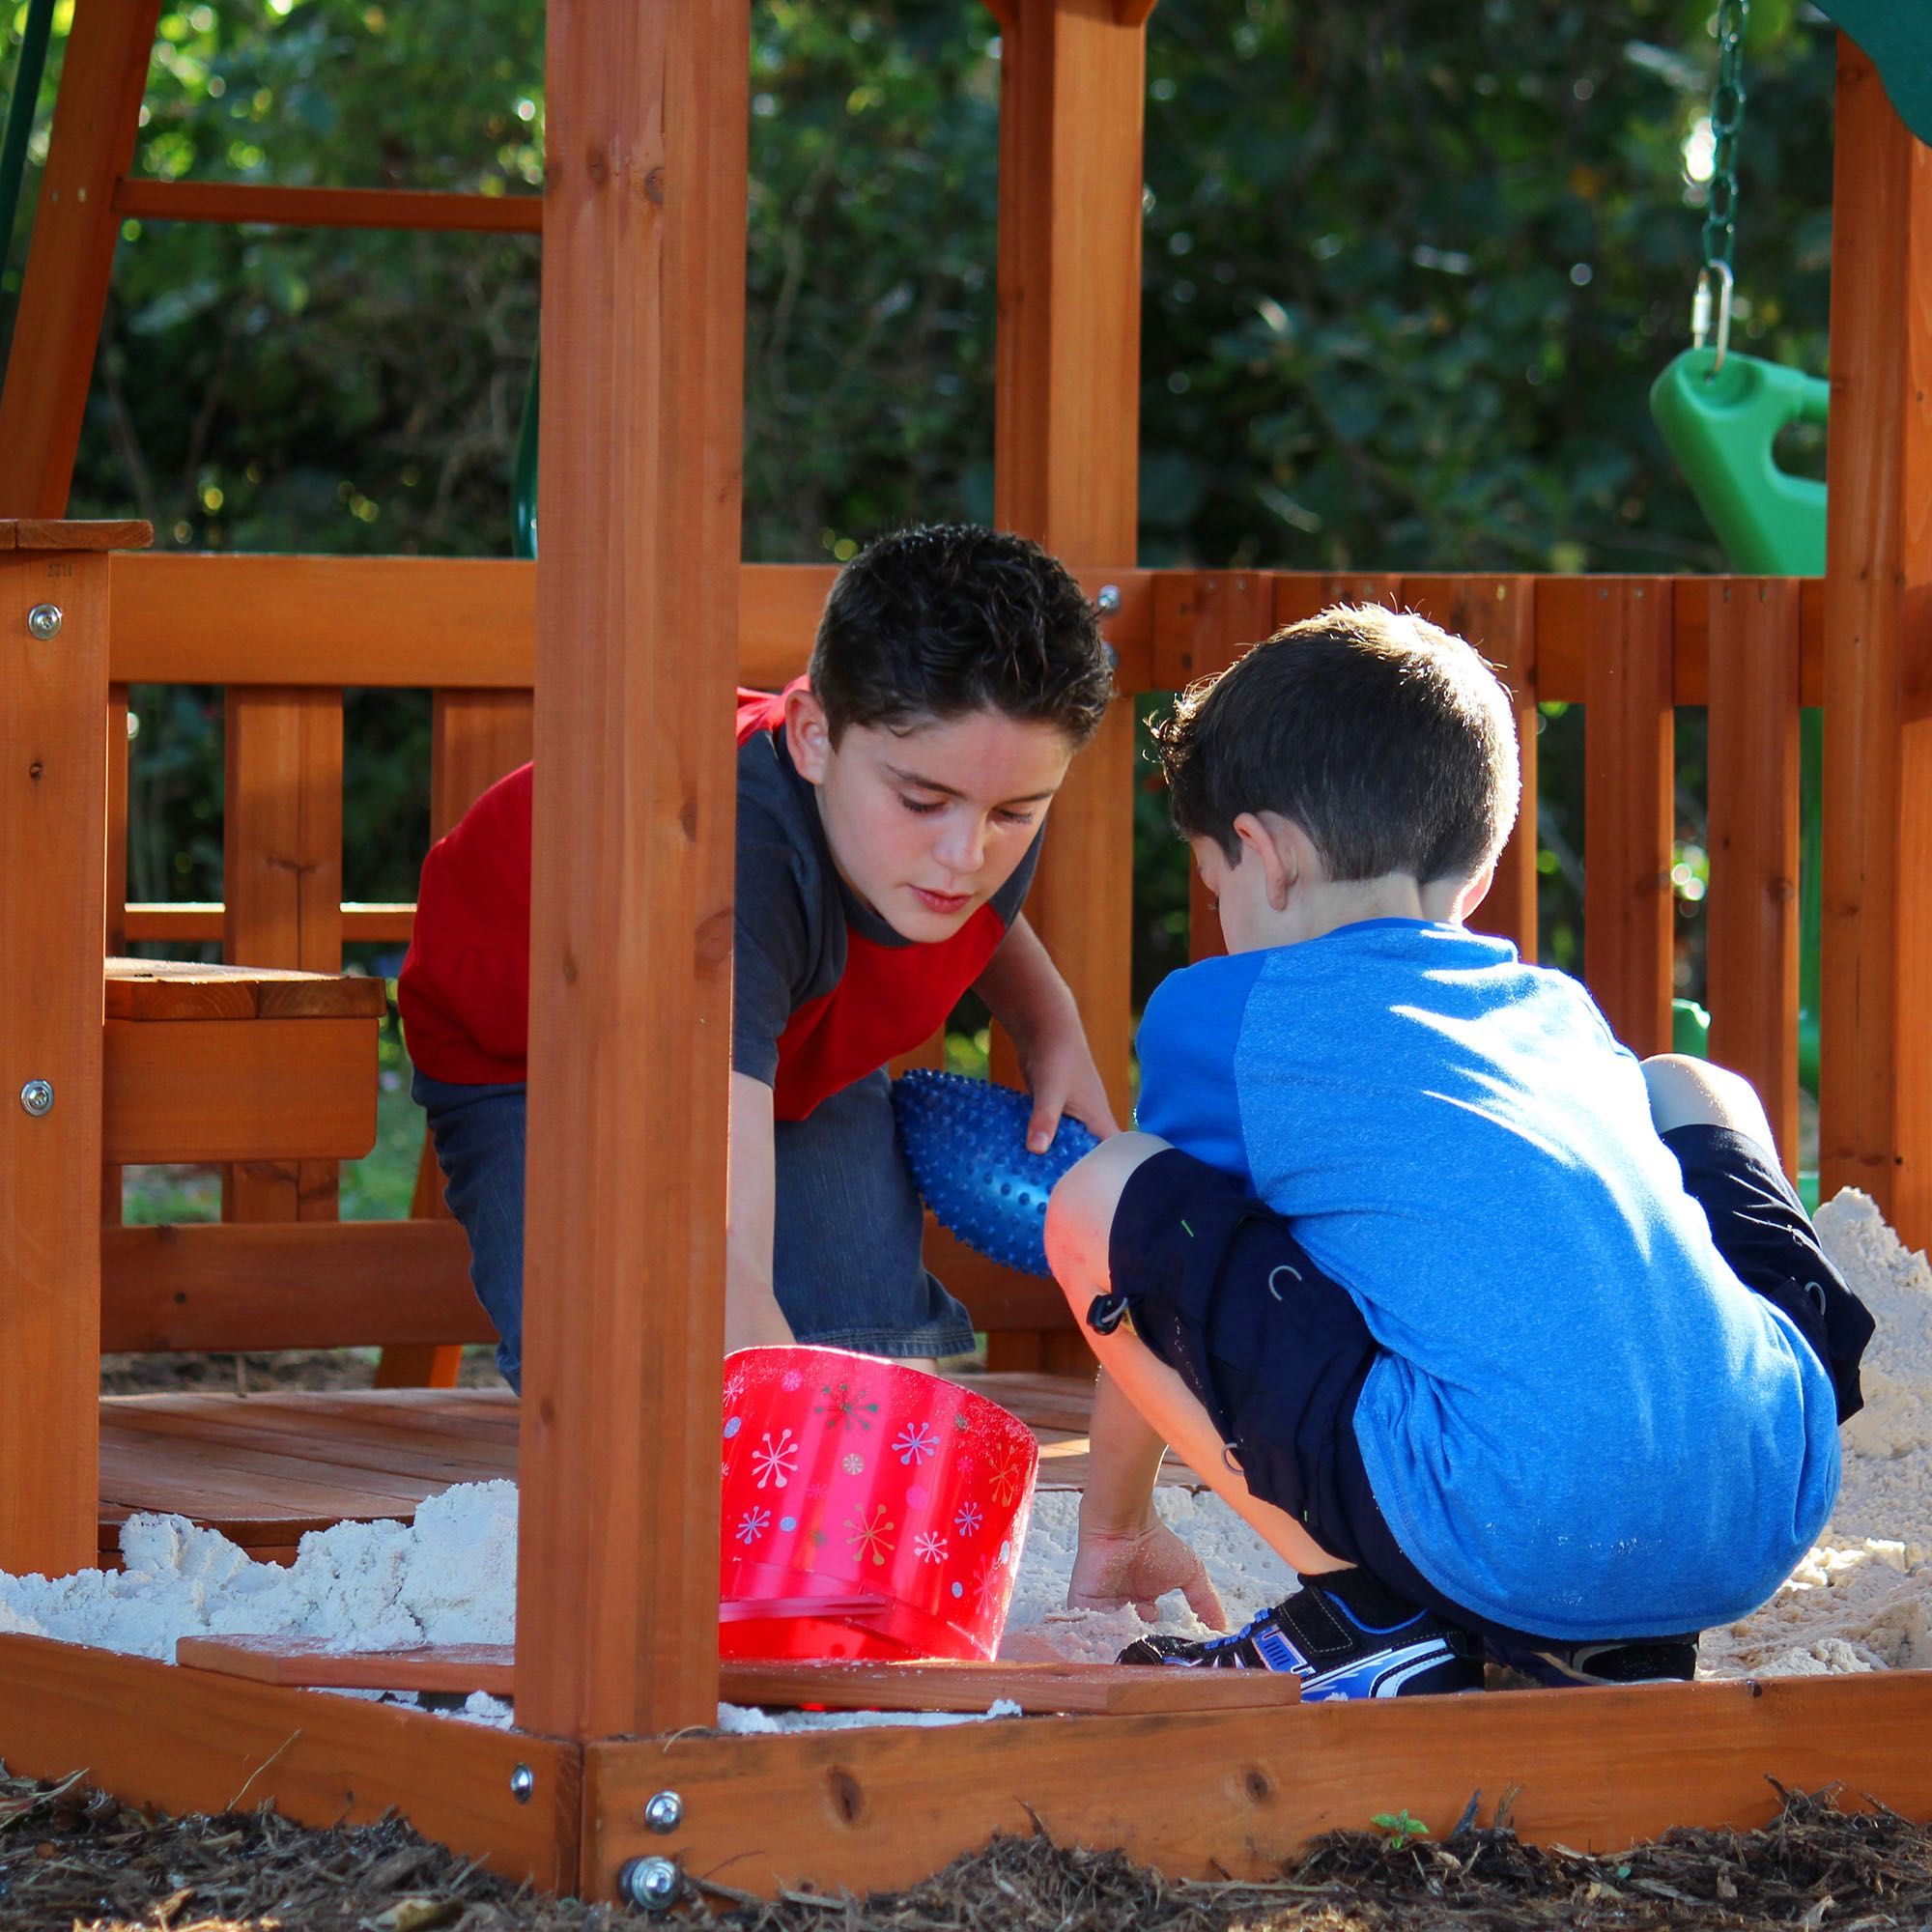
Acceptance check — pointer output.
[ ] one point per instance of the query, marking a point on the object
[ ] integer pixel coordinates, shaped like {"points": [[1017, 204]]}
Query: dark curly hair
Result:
{"points": [[949, 619], [1388, 741]]}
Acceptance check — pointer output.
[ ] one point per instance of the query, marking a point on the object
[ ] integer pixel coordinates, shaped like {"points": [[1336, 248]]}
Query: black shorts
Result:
{"points": [[1219, 1288]]}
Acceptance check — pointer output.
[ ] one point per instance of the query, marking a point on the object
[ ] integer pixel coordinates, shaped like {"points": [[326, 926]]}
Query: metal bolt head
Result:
{"points": [[43, 620], [1109, 600], [37, 1097], [665, 1812], [523, 1782], [651, 1885]]}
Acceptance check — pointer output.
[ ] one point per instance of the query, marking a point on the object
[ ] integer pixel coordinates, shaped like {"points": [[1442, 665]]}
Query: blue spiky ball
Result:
{"points": [[965, 1142]]}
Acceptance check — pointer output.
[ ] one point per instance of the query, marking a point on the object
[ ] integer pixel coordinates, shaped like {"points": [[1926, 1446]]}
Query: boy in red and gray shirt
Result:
{"points": [[891, 805]]}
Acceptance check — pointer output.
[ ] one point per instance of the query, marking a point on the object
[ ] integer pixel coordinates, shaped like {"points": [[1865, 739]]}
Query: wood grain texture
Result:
{"points": [[296, 1284], [213, 1090], [1204, 619], [71, 256], [53, 807], [1622, 625], [1094, 1689], [161, 991], [1236, 1793], [202, 922], [1876, 1122], [237, 202], [1752, 909], [192, 1741], [638, 606], [64, 534]]}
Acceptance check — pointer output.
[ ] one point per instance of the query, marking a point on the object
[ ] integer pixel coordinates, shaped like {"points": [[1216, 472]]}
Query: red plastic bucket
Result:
{"points": [[870, 1509]]}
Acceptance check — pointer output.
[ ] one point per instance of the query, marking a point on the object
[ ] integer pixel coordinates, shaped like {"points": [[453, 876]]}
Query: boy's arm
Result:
{"points": [[1024, 992], [751, 1315], [1126, 1553]]}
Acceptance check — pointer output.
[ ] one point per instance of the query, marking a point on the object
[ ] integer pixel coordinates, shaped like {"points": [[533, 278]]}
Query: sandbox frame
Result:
{"points": [[637, 615]]}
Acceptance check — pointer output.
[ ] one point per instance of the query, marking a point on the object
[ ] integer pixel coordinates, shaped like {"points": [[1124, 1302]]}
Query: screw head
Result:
{"points": [[665, 1812], [43, 620], [1109, 600], [523, 1782], [37, 1098], [651, 1883]]}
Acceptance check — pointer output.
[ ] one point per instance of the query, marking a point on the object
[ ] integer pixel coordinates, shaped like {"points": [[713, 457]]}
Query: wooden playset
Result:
{"points": [[631, 631]]}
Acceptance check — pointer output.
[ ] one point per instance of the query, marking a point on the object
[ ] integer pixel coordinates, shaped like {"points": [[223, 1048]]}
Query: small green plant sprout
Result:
{"points": [[1402, 1829]]}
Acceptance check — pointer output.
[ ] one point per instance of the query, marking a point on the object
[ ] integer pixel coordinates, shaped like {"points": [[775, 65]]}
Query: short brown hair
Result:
{"points": [[1388, 741]]}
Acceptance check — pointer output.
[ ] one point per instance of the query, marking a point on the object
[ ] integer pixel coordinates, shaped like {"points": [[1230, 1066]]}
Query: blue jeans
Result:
{"points": [[846, 1260]]}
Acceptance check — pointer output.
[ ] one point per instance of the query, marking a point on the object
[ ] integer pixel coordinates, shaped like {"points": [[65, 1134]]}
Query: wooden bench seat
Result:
{"points": [[264, 1469], [238, 1064]]}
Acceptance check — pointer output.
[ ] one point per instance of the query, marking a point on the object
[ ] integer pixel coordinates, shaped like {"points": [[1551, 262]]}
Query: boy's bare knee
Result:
{"points": [[1080, 1213], [1688, 1092]]}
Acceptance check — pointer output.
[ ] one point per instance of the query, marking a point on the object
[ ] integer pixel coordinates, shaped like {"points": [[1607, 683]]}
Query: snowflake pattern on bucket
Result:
{"points": [[776, 1462], [916, 1442], [846, 1406], [868, 1537], [753, 1524]]}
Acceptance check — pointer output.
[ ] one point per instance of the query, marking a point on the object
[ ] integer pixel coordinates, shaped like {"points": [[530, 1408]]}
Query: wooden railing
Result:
{"points": [[1627, 649]]}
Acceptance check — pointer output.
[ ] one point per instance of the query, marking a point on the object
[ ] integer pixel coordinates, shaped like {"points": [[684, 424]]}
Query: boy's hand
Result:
{"points": [[1059, 1069], [1139, 1568]]}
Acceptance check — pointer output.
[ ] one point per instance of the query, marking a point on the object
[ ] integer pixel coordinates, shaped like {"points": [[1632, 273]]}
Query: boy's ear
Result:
{"points": [[1279, 846], [1472, 895], [807, 737]]}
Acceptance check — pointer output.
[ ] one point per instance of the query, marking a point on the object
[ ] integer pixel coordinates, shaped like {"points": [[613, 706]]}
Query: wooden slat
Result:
{"points": [[299, 1284], [282, 885], [168, 990], [1204, 619], [1623, 626], [53, 798], [202, 922], [1692, 597], [1235, 1794], [237, 202], [74, 534], [1753, 910], [1876, 1127], [71, 257], [1498, 614], [637, 610], [211, 1090], [309, 1663], [116, 886], [192, 1741], [1097, 1688]]}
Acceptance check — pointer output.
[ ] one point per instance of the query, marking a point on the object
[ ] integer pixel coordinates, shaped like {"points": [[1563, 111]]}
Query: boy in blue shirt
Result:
{"points": [[1502, 1339]]}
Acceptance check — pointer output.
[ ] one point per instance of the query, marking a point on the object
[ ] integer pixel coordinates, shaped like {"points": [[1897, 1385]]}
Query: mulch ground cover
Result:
{"points": [[71, 1857]]}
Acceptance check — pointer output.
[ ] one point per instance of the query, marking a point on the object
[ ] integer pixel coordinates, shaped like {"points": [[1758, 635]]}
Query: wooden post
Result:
{"points": [[53, 812], [645, 184], [1876, 1126], [1066, 453], [72, 255]]}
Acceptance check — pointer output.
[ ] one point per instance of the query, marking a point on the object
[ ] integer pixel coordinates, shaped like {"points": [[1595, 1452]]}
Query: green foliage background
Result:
{"points": [[1409, 271]]}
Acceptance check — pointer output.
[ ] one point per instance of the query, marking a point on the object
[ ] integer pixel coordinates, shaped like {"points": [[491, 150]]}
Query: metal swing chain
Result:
{"points": [[1721, 207]]}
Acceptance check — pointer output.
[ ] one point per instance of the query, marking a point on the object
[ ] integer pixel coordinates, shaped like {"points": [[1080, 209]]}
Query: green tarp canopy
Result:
{"points": [[1896, 36]]}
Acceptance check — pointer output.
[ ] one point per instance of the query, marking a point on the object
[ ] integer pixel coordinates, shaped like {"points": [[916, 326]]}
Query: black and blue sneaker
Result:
{"points": [[1643, 1659], [1338, 1649]]}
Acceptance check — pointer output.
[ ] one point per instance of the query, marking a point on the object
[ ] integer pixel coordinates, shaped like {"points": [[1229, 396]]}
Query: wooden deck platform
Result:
{"points": [[264, 1469]]}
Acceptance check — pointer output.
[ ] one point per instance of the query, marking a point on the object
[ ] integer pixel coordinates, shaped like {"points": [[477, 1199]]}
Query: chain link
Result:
{"points": [[1727, 119]]}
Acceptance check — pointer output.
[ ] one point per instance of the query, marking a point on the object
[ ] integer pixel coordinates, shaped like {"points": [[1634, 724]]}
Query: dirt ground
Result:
{"points": [[73, 1858]]}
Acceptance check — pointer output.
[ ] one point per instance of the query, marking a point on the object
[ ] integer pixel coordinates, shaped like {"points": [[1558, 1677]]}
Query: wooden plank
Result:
{"points": [[53, 802], [1753, 910], [293, 1285], [309, 1663], [1236, 1793], [184, 1474], [1204, 619], [282, 886], [1094, 1689], [211, 1090], [115, 888], [638, 592], [202, 922], [1692, 597], [71, 257], [1622, 625], [74, 534], [1498, 614], [1876, 1126], [239, 202], [192, 1741], [171, 989]]}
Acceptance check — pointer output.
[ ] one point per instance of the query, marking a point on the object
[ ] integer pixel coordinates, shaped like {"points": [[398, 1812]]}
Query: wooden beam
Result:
{"points": [[191, 1740], [292, 1284], [1752, 909], [1235, 1794], [53, 805], [638, 596], [162, 990], [202, 922], [70, 258], [215, 1091], [1876, 1127], [238, 202]]}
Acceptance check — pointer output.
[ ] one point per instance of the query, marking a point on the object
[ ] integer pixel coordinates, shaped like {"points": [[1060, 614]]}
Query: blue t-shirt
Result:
{"points": [[1584, 1424]]}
